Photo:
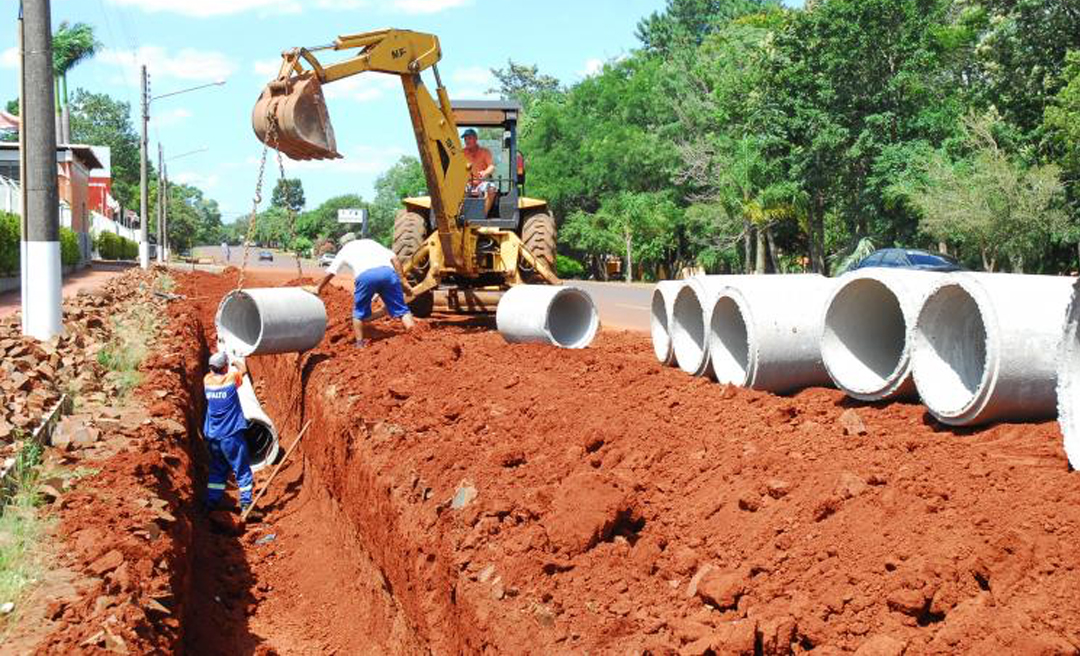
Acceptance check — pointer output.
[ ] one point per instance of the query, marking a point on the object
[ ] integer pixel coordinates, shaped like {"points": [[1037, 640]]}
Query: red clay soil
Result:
{"points": [[459, 494], [126, 528]]}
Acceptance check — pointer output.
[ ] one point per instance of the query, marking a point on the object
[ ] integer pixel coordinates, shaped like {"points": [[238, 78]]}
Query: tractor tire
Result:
{"points": [[538, 233], [410, 230]]}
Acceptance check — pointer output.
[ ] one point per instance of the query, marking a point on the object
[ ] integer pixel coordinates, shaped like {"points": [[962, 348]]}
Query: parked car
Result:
{"points": [[909, 258], [325, 259], [266, 255]]}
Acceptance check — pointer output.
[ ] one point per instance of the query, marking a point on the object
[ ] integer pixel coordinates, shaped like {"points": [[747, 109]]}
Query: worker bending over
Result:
{"points": [[224, 431], [377, 271]]}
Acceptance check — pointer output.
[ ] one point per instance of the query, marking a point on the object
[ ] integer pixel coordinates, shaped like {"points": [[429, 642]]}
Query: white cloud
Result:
{"points": [[341, 4], [428, 6], [362, 159], [212, 8], [266, 68], [209, 8], [472, 82], [203, 181], [9, 58], [592, 67], [187, 64], [169, 117], [362, 88]]}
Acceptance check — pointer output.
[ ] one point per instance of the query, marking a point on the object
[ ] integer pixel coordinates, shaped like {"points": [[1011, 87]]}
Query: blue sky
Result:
{"points": [[185, 43]]}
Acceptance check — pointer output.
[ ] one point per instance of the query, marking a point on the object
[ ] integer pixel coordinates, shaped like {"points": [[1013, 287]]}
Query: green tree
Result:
{"points": [[989, 204], [322, 222], [402, 180], [100, 120], [72, 44], [687, 23], [289, 194], [524, 83]]}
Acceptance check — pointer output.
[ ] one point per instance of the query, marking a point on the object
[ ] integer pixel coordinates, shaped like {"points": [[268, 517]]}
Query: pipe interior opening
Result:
{"points": [[658, 325], [688, 330], [953, 366], [729, 344], [864, 336], [261, 443], [241, 322], [572, 319]]}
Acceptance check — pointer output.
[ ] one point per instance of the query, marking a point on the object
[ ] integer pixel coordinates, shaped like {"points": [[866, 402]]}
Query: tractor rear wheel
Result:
{"points": [[538, 233], [410, 230]]}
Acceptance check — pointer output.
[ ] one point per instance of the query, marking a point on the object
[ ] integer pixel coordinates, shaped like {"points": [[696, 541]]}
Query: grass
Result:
{"points": [[21, 527], [132, 331], [165, 283]]}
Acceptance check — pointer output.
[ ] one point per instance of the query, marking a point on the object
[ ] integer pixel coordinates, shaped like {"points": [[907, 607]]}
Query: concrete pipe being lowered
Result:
{"points": [[263, 321], [663, 301], [765, 332], [557, 315], [690, 318], [867, 329], [985, 346], [1068, 380], [261, 436]]}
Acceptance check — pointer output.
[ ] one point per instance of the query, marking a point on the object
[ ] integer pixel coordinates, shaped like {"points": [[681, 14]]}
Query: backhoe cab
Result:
{"points": [[446, 240], [495, 121]]}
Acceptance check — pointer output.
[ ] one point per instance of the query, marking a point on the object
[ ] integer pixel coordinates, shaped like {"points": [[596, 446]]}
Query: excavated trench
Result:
{"points": [[331, 569], [455, 494]]}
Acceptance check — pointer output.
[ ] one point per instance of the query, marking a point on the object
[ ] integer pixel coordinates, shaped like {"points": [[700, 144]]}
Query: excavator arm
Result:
{"points": [[291, 114]]}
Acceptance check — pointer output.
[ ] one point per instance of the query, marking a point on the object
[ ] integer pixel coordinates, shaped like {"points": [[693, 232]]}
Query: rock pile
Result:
{"points": [[34, 375]]}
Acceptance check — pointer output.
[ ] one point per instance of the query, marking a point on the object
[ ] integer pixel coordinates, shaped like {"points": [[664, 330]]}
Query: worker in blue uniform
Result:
{"points": [[224, 431]]}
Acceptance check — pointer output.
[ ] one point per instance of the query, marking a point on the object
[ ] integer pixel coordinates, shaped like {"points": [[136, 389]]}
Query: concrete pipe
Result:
{"points": [[557, 315], [866, 338], [765, 332], [261, 436], [1068, 380], [270, 320], [985, 346], [690, 318], [663, 300]]}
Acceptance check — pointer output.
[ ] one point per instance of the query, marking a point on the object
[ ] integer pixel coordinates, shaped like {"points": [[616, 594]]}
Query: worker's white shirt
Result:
{"points": [[360, 255]]}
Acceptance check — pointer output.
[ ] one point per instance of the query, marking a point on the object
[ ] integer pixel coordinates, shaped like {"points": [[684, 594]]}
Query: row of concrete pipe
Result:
{"points": [[975, 347]]}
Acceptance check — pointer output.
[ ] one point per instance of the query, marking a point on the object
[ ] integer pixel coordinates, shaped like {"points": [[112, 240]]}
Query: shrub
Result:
{"points": [[114, 247], [9, 243], [568, 267], [70, 254]]}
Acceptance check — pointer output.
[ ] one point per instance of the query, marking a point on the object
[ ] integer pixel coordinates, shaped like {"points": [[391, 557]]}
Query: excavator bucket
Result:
{"points": [[291, 116]]}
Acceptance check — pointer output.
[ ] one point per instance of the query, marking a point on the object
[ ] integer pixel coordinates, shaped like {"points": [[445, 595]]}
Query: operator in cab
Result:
{"points": [[224, 431], [376, 271], [480, 169]]}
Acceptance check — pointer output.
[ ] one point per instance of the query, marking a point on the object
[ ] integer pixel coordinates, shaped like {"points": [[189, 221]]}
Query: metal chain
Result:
{"points": [[254, 211]]}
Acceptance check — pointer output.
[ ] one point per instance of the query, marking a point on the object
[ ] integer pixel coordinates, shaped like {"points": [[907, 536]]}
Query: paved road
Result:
{"points": [[621, 306]]}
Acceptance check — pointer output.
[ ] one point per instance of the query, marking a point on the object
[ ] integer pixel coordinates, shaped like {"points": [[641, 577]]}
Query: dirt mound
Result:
{"points": [[524, 498]]}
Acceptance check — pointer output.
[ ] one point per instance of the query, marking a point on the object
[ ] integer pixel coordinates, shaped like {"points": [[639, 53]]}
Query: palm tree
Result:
{"points": [[72, 44]]}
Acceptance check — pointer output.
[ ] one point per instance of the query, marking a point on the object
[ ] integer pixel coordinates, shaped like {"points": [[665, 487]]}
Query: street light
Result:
{"points": [[144, 232], [190, 152]]}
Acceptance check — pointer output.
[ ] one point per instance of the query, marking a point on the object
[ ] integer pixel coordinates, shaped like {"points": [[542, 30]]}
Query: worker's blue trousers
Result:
{"points": [[227, 454]]}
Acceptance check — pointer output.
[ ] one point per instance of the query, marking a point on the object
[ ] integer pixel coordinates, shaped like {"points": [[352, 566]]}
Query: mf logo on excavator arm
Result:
{"points": [[397, 53]]}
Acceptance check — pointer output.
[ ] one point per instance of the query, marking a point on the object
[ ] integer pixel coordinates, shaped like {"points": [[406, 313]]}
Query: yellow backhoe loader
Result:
{"points": [[448, 241]]}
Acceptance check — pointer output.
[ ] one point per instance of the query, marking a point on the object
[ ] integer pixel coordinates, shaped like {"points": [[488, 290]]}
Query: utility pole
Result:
{"points": [[165, 211], [144, 216], [42, 314], [160, 206], [23, 229]]}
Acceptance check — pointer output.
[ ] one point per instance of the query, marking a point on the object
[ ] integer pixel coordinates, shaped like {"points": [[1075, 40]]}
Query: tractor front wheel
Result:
{"points": [[410, 229]]}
